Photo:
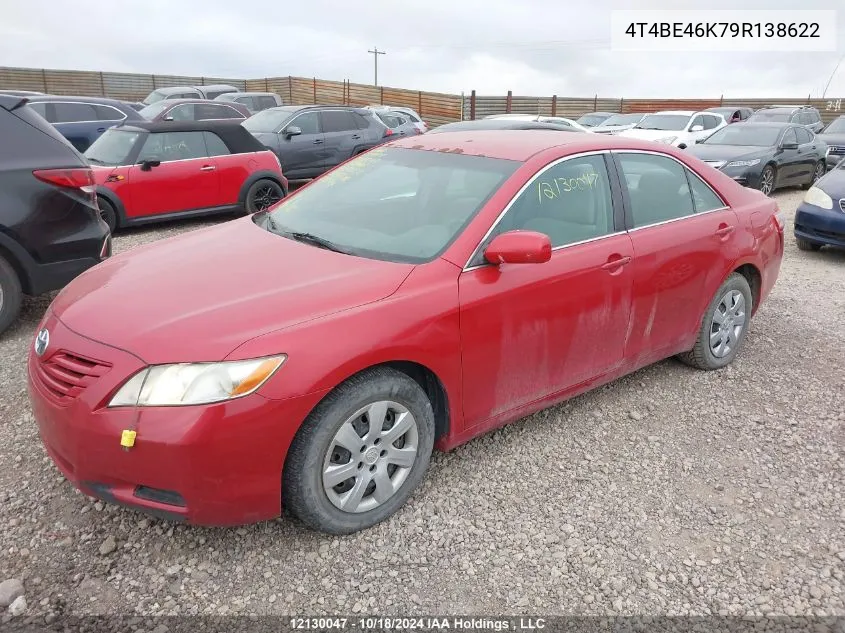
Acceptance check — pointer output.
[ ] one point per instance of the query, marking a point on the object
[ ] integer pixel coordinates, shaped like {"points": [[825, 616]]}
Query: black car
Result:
{"points": [[732, 114], [310, 140], [808, 116], [501, 124], [820, 218], [764, 156], [82, 120], [834, 136], [50, 227]]}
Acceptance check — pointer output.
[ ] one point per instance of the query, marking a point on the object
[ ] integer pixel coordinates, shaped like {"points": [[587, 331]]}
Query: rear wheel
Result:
{"points": [[818, 172], [767, 180], [11, 294], [360, 454], [108, 213], [262, 195], [806, 245]]}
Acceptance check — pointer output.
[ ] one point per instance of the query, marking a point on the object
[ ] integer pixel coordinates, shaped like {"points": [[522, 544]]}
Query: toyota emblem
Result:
{"points": [[42, 341]]}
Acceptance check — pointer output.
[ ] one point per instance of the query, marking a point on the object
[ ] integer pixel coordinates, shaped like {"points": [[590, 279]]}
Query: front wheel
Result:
{"points": [[360, 454], [767, 180], [262, 195], [818, 172], [723, 326], [11, 294]]}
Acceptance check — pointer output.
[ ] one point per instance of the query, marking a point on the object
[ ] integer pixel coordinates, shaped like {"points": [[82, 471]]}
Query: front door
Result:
{"points": [[532, 330], [303, 155]]}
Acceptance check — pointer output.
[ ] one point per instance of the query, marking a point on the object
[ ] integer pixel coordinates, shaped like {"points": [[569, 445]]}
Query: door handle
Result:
{"points": [[356, 136], [724, 230], [208, 168], [318, 141], [101, 130], [615, 262]]}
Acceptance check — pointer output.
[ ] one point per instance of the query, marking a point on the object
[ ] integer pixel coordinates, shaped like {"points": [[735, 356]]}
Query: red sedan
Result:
{"points": [[147, 172], [418, 295]]}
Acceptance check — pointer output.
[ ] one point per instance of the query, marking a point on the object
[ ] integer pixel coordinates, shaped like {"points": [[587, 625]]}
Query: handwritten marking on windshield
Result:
{"points": [[558, 186]]}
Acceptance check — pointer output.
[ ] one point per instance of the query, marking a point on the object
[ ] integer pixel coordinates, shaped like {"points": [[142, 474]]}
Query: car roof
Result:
{"points": [[518, 145], [501, 124], [249, 93], [73, 99], [184, 100], [237, 138], [684, 112], [770, 124], [608, 113]]}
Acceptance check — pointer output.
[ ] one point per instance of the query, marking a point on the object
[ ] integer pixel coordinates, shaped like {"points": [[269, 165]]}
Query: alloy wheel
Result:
{"points": [[767, 181], [818, 172], [370, 456], [727, 323], [265, 197]]}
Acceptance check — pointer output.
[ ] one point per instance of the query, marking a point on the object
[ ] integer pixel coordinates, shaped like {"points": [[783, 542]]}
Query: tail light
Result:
{"points": [[77, 182], [388, 132]]}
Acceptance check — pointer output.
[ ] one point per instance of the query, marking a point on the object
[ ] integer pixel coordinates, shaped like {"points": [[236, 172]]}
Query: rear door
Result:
{"points": [[341, 135], [683, 235], [303, 155], [186, 179], [77, 122]]}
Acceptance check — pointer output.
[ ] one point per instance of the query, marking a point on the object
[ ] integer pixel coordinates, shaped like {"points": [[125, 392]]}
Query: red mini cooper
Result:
{"points": [[146, 172]]}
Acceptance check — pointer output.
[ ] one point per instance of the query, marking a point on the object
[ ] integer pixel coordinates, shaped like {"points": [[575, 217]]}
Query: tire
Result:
{"points": [[11, 294], [768, 177], [702, 356], [806, 245], [316, 449], [262, 194], [108, 213], [819, 170]]}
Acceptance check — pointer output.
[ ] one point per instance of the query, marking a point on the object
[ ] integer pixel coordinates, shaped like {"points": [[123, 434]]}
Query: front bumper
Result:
{"points": [[213, 465], [821, 226], [831, 160]]}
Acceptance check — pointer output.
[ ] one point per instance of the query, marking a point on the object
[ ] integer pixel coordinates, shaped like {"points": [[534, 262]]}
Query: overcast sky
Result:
{"points": [[533, 47]]}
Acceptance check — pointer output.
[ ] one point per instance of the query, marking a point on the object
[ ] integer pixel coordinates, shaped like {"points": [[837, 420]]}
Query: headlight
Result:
{"points": [[819, 198], [743, 163], [667, 139], [195, 383]]}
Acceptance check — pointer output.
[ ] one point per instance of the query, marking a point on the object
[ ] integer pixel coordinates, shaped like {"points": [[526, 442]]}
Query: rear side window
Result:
{"points": [[703, 197], [711, 121], [789, 136], [265, 101], [360, 120], [699, 120], [183, 112], [215, 145], [338, 121], [73, 112], [208, 111], [249, 102], [412, 117], [167, 146], [657, 187], [30, 114], [804, 135], [108, 113]]}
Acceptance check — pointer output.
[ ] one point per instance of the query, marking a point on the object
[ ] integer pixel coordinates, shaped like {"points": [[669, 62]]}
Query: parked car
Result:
{"points": [[807, 116], [252, 101], [82, 120], [593, 119], [680, 128], [834, 136], [765, 156], [194, 110], [618, 123], [20, 93], [384, 309], [732, 114], [188, 92], [50, 230], [543, 119], [146, 172], [412, 114], [397, 123], [820, 218], [312, 139], [499, 124]]}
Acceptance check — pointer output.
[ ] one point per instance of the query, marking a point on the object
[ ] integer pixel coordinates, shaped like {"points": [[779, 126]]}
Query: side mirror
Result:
{"points": [[169, 117], [147, 165], [700, 140], [519, 247], [789, 146], [696, 128], [292, 131]]}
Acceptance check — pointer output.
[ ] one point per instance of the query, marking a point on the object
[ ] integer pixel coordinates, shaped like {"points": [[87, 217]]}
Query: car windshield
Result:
{"points": [[154, 97], [836, 127], [780, 116], [663, 122], [622, 119], [269, 120], [152, 111], [112, 148], [590, 120], [747, 134], [390, 203]]}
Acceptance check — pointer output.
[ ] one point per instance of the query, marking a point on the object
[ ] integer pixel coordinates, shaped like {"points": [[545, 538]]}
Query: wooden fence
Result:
{"points": [[435, 107]]}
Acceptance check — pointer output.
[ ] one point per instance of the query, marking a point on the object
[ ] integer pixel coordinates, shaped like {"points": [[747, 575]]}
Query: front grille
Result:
{"points": [[842, 204], [837, 149], [65, 376]]}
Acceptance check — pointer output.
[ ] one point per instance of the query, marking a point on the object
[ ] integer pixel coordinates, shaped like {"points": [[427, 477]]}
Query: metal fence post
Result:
{"points": [[509, 102], [314, 84], [554, 105], [103, 85], [595, 103], [44, 79], [472, 106]]}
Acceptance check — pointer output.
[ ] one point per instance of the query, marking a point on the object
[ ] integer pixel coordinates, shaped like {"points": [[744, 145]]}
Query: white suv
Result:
{"points": [[680, 128]]}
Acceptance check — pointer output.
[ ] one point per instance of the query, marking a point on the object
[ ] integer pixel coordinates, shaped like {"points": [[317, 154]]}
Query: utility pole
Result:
{"points": [[375, 53]]}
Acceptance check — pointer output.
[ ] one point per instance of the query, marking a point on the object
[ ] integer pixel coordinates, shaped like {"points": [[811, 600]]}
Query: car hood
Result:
{"points": [[651, 135], [832, 139], [833, 183], [198, 296], [705, 151]]}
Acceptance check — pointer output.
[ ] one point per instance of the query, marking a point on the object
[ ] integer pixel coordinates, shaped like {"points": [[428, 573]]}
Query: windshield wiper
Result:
{"points": [[308, 238]]}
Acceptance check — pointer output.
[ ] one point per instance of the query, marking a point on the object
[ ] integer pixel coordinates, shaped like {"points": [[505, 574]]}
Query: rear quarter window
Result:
{"points": [[29, 115]]}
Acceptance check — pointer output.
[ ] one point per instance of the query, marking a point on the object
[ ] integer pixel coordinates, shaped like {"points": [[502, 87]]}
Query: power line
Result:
{"points": [[375, 53]]}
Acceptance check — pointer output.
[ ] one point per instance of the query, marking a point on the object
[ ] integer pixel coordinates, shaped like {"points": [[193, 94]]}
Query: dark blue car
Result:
{"points": [[820, 219], [81, 120]]}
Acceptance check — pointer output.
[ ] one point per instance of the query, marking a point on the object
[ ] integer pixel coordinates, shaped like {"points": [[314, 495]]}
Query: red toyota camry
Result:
{"points": [[421, 294]]}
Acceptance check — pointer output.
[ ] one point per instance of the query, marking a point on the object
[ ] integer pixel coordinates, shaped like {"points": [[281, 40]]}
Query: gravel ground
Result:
{"points": [[670, 491]]}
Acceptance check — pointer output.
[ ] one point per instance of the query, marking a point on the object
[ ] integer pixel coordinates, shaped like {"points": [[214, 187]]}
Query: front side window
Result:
{"points": [[183, 112], [210, 111], [711, 121], [804, 135], [699, 120], [789, 137], [657, 188], [112, 148], [167, 146], [309, 123], [108, 113], [570, 202], [392, 203]]}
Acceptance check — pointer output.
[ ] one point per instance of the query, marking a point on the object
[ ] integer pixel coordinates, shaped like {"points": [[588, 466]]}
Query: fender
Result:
{"points": [[116, 202], [19, 259], [253, 178]]}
